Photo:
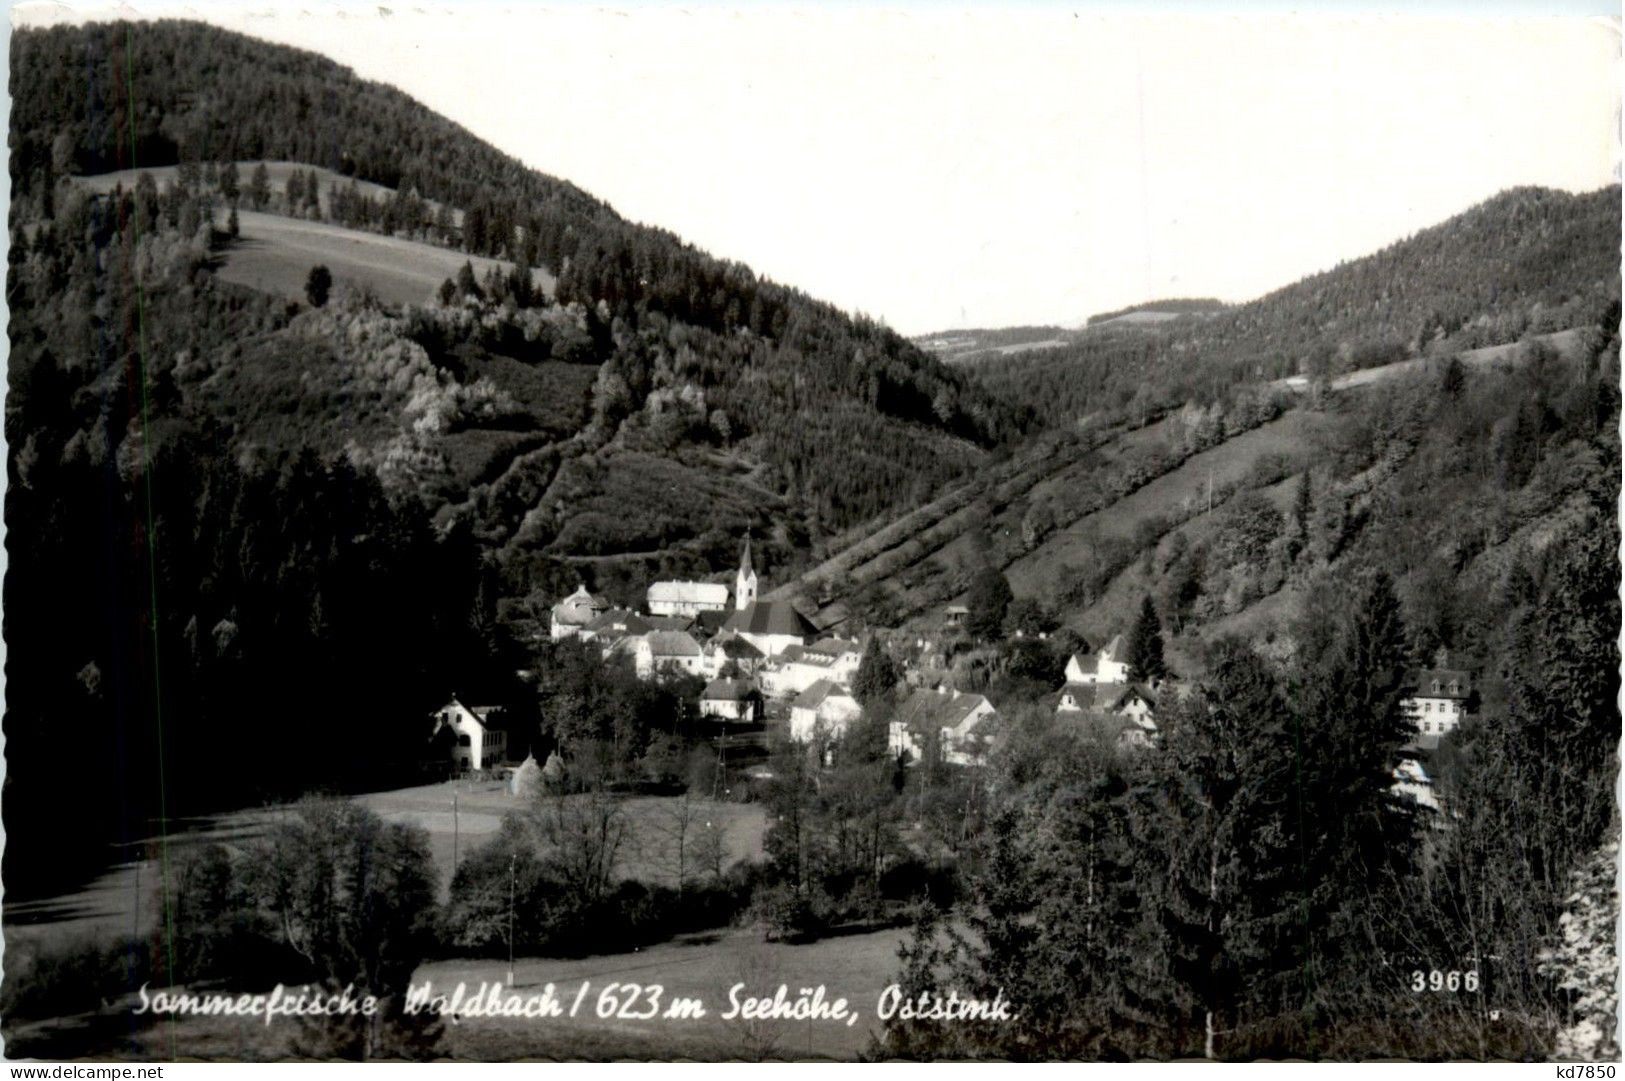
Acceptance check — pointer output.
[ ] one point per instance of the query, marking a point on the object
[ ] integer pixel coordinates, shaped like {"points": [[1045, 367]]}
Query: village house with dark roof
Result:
{"points": [[614, 623], [726, 649], [730, 700], [954, 725], [1436, 700], [1124, 711], [661, 652], [575, 612]]}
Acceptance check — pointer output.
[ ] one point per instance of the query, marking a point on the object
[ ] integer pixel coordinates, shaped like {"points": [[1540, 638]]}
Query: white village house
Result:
{"points": [[729, 700], [822, 711], [1104, 666], [660, 652], [576, 611], [1126, 710], [686, 598], [798, 667], [1437, 700], [475, 744], [959, 721]]}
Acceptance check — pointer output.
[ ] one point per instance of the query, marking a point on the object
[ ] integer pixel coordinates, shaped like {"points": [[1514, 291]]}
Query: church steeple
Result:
{"points": [[745, 582]]}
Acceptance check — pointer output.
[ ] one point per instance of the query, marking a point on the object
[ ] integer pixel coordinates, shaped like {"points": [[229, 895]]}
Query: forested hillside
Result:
{"points": [[1528, 261], [96, 98]]}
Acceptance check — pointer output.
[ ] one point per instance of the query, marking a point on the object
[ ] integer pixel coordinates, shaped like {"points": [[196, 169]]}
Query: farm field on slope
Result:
{"points": [[274, 254], [1226, 464]]}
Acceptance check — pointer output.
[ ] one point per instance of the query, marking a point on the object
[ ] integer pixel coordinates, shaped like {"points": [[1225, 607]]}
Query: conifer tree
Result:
{"points": [[876, 675], [1145, 660], [1303, 510], [988, 601], [259, 187], [1222, 795], [1354, 833]]}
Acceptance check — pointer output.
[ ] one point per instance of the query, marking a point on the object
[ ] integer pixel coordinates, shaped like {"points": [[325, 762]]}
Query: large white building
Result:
{"points": [[475, 744], [687, 598], [1437, 700]]}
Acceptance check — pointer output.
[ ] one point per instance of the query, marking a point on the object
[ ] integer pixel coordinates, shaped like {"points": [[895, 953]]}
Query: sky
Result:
{"points": [[976, 165]]}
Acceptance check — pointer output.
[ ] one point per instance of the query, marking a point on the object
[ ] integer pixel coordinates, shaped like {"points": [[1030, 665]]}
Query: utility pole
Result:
{"points": [[455, 831], [722, 761], [512, 858]]}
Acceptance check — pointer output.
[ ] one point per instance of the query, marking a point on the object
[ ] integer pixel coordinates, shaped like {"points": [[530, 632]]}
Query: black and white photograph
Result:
{"points": [[940, 532]]}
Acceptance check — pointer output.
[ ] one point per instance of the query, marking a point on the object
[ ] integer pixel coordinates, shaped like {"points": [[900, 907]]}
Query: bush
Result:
{"points": [[75, 978], [789, 915], [317, 285]]}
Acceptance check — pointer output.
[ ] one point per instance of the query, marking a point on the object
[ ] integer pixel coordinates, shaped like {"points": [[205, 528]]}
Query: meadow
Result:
{"points": [[126, 898]]}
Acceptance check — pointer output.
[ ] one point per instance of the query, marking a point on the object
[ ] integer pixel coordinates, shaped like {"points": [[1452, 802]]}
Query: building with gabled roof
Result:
{"points": [[798, 667], [670, 623], [613, 623], [575, 612], [667, 651], [823, 710], [771, 626], [1105, 665], [729, 700], [727, 649], [1125, 711], [956, 724], [1436, 700], [470, 734], [686, 598]]}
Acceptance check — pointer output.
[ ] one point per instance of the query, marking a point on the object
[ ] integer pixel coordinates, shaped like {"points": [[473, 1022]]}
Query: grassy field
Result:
{"points": [[274, 254], [126, 899], [1228, 463], [480, 806]]}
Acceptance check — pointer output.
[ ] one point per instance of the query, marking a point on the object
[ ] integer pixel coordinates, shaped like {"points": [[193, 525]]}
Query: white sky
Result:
{"points": [[988, 166]]}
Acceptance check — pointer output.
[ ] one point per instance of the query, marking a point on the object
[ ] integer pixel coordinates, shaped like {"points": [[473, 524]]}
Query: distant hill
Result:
{"points": [[1147, 418], [1156, 311], [1527, 261], [955, 346]]}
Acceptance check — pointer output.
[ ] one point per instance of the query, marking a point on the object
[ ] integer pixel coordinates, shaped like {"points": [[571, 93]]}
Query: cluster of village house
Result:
{"points": [[753, 651]]}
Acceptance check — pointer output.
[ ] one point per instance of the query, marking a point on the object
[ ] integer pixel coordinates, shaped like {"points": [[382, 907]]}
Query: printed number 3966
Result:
{"points": [[1444, 981]]}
